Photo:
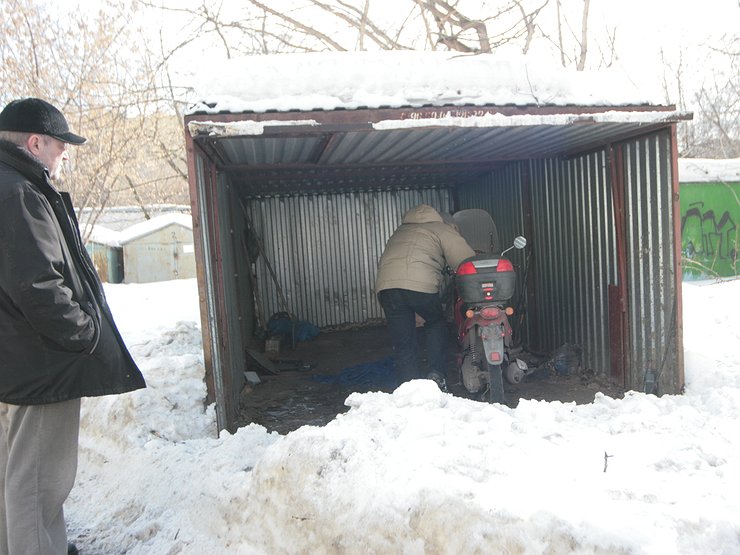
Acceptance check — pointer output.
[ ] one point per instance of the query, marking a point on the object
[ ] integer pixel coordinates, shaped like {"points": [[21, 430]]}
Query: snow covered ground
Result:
{"points": [[416, 471]]}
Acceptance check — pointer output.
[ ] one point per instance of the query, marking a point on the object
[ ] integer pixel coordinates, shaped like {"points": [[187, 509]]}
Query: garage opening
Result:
{"points": [[292, 210]]}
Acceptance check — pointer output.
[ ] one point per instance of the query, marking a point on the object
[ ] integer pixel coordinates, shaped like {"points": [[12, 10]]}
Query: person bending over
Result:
{"points": [[410, 272]]}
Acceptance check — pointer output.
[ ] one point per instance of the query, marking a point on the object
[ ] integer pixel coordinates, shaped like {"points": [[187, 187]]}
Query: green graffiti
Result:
{"points": [[710, 213]]}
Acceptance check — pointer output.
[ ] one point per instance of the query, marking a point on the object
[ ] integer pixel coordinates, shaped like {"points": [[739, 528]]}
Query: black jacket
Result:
{"points": [[58, 340]]}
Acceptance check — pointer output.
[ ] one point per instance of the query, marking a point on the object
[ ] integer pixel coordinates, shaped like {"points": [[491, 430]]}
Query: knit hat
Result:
{"points": [[33, 115]]}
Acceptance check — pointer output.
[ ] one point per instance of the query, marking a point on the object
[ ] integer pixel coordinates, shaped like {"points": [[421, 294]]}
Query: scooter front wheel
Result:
{"points": [[496, 383]]}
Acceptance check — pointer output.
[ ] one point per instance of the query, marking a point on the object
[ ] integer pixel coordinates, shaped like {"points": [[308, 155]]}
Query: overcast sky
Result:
{"points": [[647, 31], [684, 32], [678, 27]]}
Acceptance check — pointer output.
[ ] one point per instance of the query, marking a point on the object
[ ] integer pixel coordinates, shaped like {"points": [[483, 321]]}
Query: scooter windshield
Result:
{"points": [[478, 229]]}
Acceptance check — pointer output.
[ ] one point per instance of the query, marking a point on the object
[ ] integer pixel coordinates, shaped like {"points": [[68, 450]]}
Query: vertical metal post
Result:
{"points": [[678, 270], [529, 254], [618, 314]]}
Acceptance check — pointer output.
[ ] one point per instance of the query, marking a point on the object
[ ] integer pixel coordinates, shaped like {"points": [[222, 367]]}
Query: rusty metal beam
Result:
{"points": [[363, 118], [406, 167], [193, 153], [619, 314]]}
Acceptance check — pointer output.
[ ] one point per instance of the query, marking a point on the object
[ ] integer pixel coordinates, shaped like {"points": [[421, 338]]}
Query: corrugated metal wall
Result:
{"points": [[235, 314], [501, 195], [219, 383], [324, 249], [573, 217], [651, 261], [574, 249], [571, 250], [223, 279]]}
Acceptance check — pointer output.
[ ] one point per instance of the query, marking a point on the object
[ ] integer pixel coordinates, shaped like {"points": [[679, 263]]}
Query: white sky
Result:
{"points": [[417, 471], [685, 30]]}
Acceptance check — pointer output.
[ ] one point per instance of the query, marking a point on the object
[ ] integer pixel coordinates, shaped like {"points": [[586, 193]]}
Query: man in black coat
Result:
{"points": [[58, 340]]}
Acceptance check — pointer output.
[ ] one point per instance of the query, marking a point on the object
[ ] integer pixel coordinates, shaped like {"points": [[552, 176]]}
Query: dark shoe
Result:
{"points": [[439, 380], [72, 549]]}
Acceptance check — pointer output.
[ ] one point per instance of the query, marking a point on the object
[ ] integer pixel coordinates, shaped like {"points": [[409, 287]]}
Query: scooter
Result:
{"points": [[484, 285]]}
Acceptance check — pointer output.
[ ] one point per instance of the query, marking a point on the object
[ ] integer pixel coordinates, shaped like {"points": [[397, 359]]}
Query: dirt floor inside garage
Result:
{"points": [[307, 383]]}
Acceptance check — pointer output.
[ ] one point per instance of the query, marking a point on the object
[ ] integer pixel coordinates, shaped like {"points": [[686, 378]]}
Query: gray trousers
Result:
{"points": [[38, 464]]}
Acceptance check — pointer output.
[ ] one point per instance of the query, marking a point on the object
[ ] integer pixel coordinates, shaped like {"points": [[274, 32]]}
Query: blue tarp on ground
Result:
{"points": [[285, 326], [380, 374]]}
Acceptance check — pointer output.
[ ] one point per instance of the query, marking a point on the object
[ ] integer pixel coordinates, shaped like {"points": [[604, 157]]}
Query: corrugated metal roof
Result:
{"points": [[406, 147]]}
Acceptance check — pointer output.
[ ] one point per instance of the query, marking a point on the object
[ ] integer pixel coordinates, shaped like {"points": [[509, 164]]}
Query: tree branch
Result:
{"points": [[300, 26]]}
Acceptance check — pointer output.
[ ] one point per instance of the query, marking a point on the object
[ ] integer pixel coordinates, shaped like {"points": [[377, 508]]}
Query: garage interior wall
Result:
{"points": [[227, 316], [569, 225], [324, 249], [208, 283], [574, 224], [573, 246], [238, 308]]}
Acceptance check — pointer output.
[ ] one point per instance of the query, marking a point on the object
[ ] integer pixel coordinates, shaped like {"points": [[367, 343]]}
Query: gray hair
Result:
{"points": [[17, 137]]}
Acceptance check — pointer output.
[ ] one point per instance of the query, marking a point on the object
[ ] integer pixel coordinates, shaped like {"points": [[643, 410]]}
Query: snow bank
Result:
{"points": [[415, 471], [701, 170]]}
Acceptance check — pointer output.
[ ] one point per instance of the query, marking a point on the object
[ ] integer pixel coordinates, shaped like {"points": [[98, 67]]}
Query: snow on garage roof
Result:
{"points": [[101, 235], [155, 224], [278, 122], [393, 79], [701, 170]]}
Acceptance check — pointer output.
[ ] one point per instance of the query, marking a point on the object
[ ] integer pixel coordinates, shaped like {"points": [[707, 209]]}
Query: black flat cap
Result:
{"points": [[33, 115]]}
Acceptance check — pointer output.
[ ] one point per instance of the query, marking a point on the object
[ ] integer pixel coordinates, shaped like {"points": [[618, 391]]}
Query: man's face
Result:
{"points": [[52, 152]]}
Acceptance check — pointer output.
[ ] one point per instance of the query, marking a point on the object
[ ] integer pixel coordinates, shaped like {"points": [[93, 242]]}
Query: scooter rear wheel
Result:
{"points": [[495, 376], [496, 386]]}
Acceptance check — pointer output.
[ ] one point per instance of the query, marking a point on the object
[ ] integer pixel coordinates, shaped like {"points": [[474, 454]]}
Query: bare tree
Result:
{"points": [[453, 26], [717, 132], [339, 25], [120, 94], [673, 80], [583, 42], [94, 70], [567, 32], [715, 129]]}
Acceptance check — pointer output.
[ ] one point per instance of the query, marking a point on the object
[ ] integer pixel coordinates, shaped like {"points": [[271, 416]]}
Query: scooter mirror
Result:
{"points": [[520, 242]]}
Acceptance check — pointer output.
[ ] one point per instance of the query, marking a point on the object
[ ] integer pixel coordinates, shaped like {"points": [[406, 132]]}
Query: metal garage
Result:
{"points": [[311, 195]]}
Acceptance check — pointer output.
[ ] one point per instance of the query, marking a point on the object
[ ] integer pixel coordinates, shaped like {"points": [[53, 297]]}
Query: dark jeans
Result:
{"points": [[400, 307]]}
